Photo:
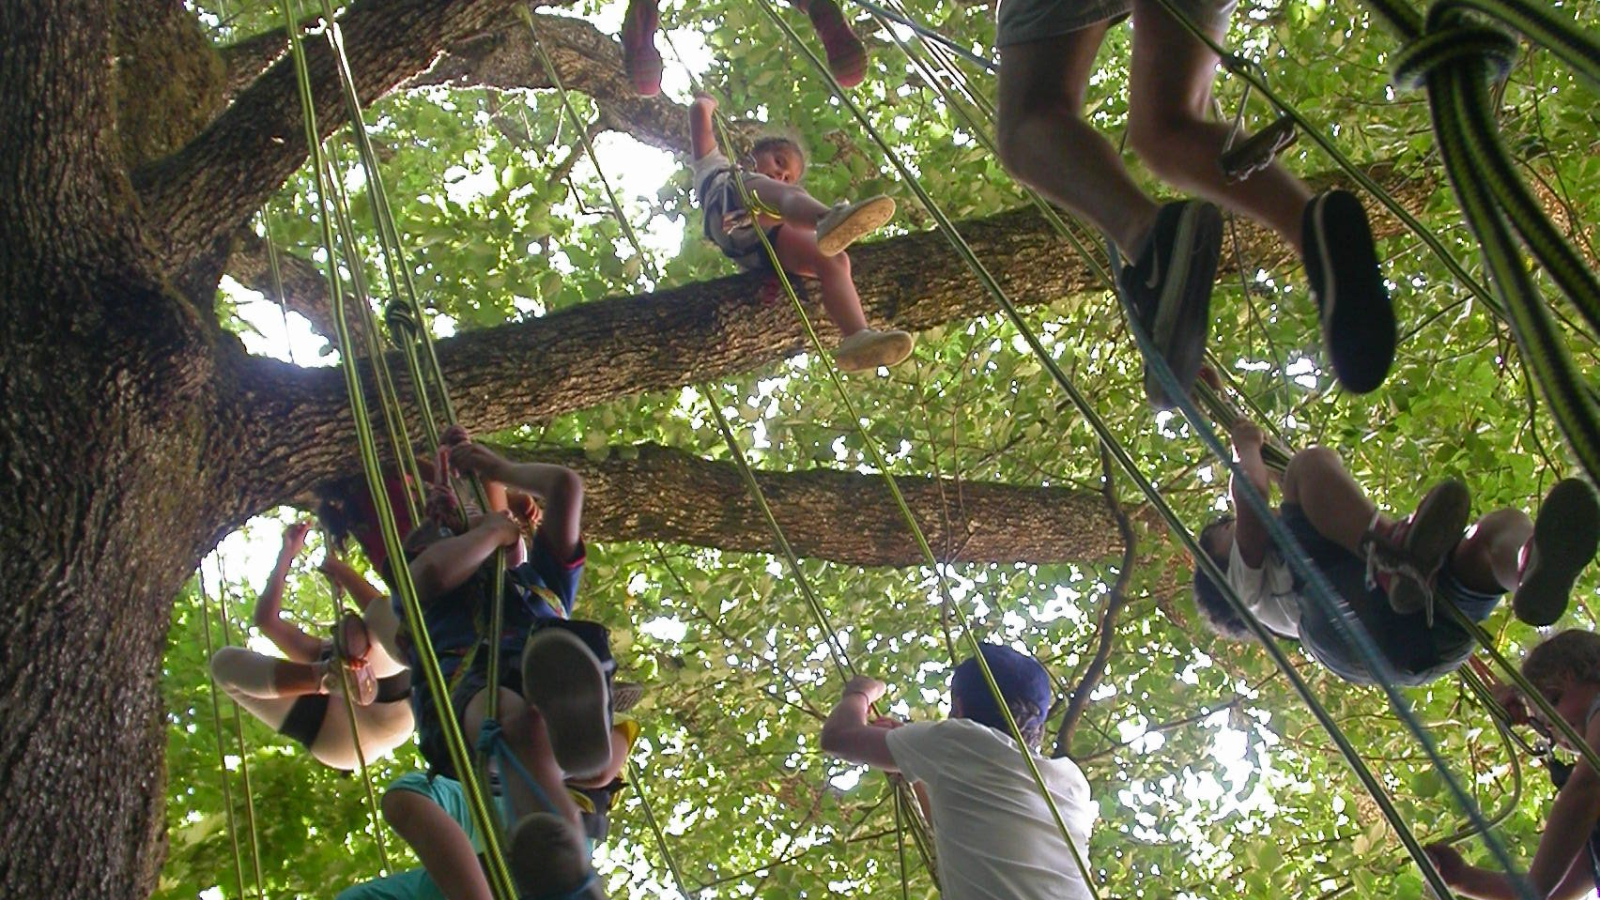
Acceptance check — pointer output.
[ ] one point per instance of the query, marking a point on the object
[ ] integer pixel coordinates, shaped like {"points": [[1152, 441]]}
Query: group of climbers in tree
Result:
{"points": [[558, 742]]}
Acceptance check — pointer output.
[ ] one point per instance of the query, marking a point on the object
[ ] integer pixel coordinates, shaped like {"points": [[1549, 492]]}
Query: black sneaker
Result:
{"points": [[1169, 289], [1565, 536], [1353, 305]]}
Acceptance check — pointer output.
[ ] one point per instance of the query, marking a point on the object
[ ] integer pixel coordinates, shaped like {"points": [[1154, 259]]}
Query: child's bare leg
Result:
{"points": [[384, 628], [439, 843], [1489, 558], [1169, 92], [1333, 503], [791, 202], [253, 675], [798, 253], [524, 733]]}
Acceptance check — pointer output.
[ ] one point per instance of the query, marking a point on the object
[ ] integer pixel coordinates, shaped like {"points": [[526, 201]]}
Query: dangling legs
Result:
{"points": [[1045, 143], [640, 58]]}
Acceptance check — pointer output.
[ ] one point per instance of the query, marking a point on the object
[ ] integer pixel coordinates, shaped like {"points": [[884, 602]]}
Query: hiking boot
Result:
{"points": [[1168, 289], [1565, 535], [1358, 326], [847, 222], [1414, 551], [869, 348], [546, 859], [847, 56], [640, 58], [563, 679]]}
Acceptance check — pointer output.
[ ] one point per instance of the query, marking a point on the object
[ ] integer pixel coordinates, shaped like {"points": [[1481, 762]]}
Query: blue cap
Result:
{"points": [[1019, 677]]}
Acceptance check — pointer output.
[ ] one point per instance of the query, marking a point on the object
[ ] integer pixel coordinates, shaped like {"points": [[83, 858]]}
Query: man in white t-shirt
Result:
{"points": [[995, 836]]}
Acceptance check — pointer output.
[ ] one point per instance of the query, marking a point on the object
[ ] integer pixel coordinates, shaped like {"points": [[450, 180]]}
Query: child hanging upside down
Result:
{"points": [[1566, 866], [300, 696], [809, 238], [1414, 560], [994, 836], [554, 691], [847, 58]]}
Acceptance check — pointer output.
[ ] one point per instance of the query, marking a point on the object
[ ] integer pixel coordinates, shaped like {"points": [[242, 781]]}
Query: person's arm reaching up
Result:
{"points": [[295, 644], [848, 735], [1572, 817], [447, 564], [1250, 533], [343, 576], [702, 131], [558, 488]]}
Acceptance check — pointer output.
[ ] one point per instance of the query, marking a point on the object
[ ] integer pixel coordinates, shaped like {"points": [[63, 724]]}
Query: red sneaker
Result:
{"points": [[847, 56], [640, 58]]}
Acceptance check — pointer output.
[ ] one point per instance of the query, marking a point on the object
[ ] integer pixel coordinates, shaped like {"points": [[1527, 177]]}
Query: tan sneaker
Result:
{"points": [[848, 222], [363, 684], [869, 348]]}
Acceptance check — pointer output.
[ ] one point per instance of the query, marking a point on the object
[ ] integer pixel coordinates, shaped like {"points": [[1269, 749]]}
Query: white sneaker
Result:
{"points": [[848, 222], [869, 348]]}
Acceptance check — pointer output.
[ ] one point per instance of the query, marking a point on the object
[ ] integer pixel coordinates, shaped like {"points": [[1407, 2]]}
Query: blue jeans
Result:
{"points": [[1419, 654]]}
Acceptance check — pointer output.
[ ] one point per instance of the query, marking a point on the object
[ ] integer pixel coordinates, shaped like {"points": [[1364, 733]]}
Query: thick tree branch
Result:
{"points": [[205, 192], [305, 289], [622, 346], [588, 61], [656, 493], [649, 492]]}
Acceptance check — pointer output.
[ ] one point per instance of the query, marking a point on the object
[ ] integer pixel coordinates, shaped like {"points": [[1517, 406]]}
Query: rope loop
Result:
{"points": [[1452, 39], [401, 317]]}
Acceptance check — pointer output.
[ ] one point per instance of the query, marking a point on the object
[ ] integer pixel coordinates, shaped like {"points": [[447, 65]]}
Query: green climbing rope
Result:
{"points": [[499, 875]]}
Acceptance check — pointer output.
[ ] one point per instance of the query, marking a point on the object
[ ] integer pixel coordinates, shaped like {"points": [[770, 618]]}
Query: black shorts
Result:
{"points": [[468, 684], [304, 721]]}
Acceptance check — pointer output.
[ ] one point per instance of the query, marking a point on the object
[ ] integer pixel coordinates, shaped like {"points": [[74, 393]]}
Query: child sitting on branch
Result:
{"points": [[993, 833], [808, 237], [299, 696], [1566, 865], [1416, 562]]}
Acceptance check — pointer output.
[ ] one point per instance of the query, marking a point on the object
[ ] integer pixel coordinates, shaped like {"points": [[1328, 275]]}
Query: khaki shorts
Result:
{"points": [[1021, 21]]}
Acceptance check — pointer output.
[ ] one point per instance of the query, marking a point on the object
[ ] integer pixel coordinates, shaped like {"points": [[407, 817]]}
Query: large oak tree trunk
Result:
{"points": [[106, 486]]}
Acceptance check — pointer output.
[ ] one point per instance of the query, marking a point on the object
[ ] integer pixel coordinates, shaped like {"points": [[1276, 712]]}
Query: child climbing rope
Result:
{"points": [[1411, 563], [809, 238], [1047, 52], [993, 834], [554, 716], [432, 815], [298, 696], [1566, 866], [847, 58]]}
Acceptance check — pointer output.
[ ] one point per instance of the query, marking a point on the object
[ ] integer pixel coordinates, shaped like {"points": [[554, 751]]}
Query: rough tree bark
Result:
{"points": [[649, 492], [206, 191], [107, 487]]}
